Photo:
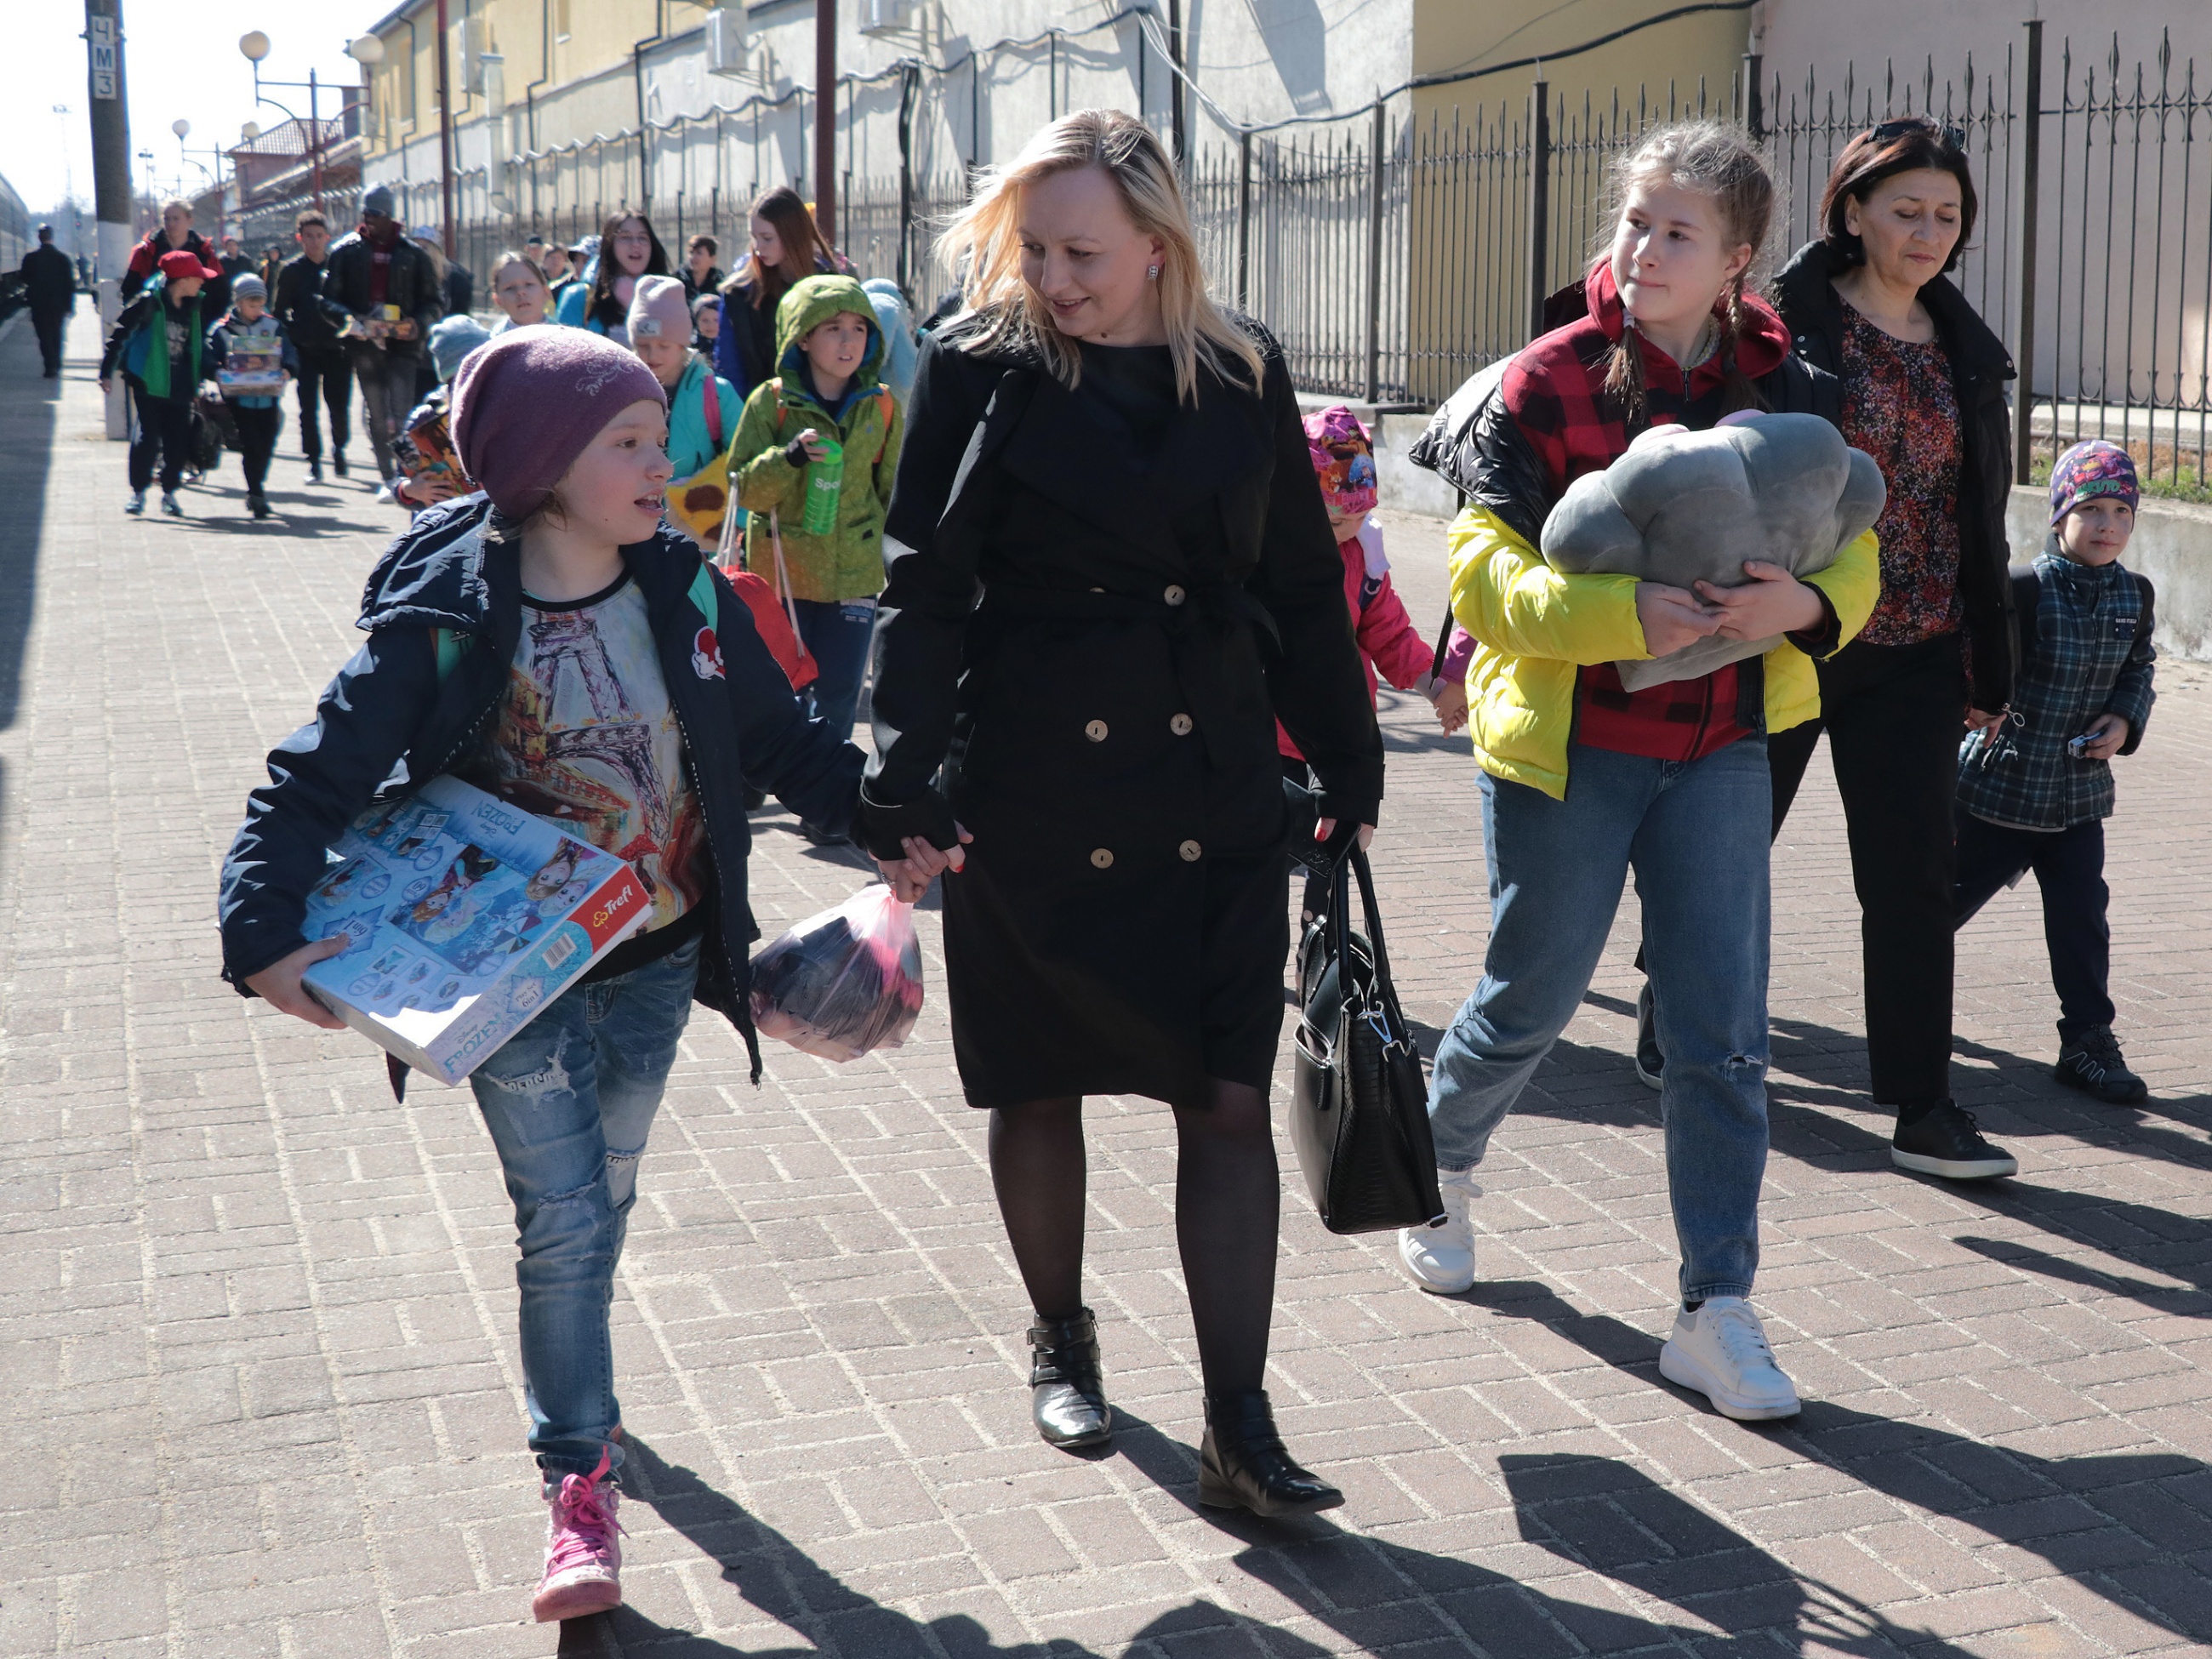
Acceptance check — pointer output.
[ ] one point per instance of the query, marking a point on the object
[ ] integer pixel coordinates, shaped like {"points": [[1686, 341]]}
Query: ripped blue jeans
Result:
{"points": [[569, 1100], [1696, 834]]}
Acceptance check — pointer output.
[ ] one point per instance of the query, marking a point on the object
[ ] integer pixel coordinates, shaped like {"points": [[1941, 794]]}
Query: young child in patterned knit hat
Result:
{"points": [[2035, 789], [1343, 456]]}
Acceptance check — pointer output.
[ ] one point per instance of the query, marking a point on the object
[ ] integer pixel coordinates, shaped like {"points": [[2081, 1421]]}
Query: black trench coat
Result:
{"points": [[1095, 646]]}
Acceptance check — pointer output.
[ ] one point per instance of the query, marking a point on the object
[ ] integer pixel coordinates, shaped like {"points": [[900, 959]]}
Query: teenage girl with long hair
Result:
{"points": [[629, 249], [1583, 781], [787, 248]]}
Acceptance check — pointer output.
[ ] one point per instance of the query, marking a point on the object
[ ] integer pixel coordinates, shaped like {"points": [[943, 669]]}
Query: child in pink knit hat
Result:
{"points": [[1343, 457]]}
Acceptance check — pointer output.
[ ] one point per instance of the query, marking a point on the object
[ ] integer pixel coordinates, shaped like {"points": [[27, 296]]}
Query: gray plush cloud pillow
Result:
{"points": [[1681, 506]]}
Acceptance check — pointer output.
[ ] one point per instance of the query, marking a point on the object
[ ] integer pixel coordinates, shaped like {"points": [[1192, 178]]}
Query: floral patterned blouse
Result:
{"points": [[1900, 407]]}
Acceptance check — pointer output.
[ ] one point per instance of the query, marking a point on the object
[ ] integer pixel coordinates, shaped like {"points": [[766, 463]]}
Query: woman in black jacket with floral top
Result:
{"points": [[1923, 393], [1117, 467]]}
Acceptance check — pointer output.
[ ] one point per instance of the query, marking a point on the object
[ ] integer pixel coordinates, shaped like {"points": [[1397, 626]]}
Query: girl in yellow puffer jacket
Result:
{"points": [[1583, 780]]}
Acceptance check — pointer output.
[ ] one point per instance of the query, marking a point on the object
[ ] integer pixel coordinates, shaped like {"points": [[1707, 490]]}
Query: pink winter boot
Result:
{"points": [[583, 1552]]}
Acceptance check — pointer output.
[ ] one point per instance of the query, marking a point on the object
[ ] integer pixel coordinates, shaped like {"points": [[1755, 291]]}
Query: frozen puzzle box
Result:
{"points": [[466, 916]]}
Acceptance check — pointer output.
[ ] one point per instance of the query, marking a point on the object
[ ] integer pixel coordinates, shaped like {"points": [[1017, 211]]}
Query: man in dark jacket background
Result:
{"points": [[391, 291], [312, 323], [50, 286]]}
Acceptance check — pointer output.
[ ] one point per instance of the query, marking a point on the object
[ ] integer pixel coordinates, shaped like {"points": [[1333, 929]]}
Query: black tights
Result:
{"points": [[1228, 1201]]}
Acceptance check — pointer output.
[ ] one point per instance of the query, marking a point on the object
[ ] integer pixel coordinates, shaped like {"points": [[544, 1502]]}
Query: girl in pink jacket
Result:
{"points": [[1392, 647]]}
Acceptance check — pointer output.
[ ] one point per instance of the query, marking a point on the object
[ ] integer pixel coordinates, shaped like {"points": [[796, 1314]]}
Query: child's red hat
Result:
{"points": [[182, 262]]}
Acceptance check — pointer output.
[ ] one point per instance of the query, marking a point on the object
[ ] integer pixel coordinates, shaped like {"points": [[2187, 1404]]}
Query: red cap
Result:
{"points": [[183, 262]]}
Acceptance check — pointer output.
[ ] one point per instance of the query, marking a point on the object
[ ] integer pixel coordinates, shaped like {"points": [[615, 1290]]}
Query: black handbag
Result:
{"points": [[1359, 1117]]}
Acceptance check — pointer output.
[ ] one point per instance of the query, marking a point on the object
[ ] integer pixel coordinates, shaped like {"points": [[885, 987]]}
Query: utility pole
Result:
{"points": [[111, 173], [445, 133], [825, 118], [1175, 79]]}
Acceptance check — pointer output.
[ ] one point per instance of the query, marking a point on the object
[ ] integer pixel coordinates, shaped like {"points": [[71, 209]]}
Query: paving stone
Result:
{"points": [[261, 1317]]}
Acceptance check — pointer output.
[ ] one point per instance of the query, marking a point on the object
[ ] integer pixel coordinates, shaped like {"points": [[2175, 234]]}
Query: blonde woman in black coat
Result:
{"points": [[1115, 465]]}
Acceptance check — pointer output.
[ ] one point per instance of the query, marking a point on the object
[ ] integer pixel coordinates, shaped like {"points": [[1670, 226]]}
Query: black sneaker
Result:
{"points": [[338, 462], [1650, 1064], [1944, 1141], [258, 505], [2093, 1064], [821, 835]]}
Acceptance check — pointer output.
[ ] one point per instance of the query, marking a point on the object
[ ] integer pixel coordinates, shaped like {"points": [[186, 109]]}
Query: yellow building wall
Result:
{"points": [[589, 36]]}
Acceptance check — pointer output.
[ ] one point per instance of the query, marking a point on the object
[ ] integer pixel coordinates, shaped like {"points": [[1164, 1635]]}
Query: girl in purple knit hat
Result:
{"points": [[553, 642]]}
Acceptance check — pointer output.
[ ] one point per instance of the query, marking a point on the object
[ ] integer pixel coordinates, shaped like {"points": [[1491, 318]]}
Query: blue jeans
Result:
{"points": [[1697, 837], [569, 1100], [837, 635]]}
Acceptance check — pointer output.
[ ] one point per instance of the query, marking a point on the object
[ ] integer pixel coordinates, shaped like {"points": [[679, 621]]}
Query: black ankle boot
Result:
{"points": [[1067, 1396], [1242, 1462]]}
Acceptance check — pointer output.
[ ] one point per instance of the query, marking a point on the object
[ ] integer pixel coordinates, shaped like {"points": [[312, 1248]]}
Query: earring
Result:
{"points": [[1152, 273]]}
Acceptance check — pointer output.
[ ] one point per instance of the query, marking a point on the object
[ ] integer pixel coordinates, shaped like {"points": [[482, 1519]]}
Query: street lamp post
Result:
{"points": [[255, 47], [183, 128]]}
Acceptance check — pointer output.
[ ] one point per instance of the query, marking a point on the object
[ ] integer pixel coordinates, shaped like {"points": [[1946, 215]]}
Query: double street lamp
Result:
{"points": [[183, 128], [254, 44]]}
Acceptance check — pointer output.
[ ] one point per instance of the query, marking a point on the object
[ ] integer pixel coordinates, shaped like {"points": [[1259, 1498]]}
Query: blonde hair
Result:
{"points": [[1721, 163], [985, 241], [512, 258]]}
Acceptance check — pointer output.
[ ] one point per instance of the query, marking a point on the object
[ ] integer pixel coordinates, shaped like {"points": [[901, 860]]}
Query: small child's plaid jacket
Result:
{"points": [[2085, 650]]}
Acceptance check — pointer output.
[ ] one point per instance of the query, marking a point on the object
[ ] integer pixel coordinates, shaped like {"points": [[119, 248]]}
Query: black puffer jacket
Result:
{"points": [[1980, 366]]}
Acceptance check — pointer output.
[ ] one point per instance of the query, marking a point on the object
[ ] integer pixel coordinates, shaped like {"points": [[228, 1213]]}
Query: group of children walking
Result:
{"points": [[592, 476]]}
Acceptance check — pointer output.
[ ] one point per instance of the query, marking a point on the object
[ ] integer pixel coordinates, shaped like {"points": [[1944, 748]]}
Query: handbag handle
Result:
{"points": [[1356, 863]]}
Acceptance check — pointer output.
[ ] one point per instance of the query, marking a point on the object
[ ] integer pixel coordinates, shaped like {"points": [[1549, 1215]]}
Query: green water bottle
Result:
{"points": [[826, 482]]}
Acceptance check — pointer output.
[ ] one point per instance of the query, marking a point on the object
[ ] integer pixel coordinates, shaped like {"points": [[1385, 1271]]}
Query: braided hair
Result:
{"points": [[1719, 162]]}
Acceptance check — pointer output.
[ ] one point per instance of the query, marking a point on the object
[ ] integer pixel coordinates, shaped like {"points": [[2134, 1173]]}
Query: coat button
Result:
{"points": [[1175, 595], [1102, 858], [1096, 731], [1180, 726], [1190, 850]]}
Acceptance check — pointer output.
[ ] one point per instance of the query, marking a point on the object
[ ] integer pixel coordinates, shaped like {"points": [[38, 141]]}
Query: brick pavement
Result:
{"points": [[259, 1320]]}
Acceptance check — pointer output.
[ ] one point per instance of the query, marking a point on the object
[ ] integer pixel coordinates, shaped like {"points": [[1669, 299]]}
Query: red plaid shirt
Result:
{"points": [[1554, 390]]}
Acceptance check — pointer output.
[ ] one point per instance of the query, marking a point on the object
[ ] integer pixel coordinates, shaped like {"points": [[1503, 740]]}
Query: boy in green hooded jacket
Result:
{"points": [[829, 350]]}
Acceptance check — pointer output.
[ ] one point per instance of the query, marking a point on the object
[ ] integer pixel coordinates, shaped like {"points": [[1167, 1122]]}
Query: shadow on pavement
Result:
{"points": [[1582, 1084], [2130, 1527], [30, 406], [1612, 1518], [1370, 1592]]}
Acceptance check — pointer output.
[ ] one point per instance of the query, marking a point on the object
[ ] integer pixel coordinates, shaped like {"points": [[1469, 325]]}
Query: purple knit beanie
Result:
{"points": [[525, 405]]}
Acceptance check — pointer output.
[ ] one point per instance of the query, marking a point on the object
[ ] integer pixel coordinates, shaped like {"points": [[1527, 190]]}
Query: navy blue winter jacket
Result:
{"points": [[389, 723]]}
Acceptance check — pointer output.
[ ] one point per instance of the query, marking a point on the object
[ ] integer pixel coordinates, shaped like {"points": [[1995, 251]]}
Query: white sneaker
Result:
{"points": [[1721, 1351], [1441, 1257], [136, 504], [169, 504]]}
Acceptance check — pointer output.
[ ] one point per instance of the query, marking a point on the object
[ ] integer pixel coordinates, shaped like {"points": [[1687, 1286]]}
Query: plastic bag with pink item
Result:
{"points": [[844, 982]]}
